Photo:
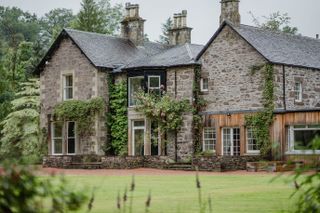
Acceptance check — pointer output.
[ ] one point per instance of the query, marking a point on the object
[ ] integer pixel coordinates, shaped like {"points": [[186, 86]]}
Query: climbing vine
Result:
{"points": [[198, 104], [260, 122], [167, 112], [82, 112], [117, 120]]}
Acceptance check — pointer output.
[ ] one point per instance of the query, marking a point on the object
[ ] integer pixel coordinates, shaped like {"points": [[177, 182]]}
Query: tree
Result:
{"points": [[99, 17], [164, 38], [90, 17], [54, 21], [276, 22], [20, 133]]}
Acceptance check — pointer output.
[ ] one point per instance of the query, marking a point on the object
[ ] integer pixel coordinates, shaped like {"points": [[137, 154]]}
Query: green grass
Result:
{"points": [[229, 193]]}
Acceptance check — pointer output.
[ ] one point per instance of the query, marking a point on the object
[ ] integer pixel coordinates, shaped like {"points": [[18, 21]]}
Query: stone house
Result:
{"points": [[78, 64]]}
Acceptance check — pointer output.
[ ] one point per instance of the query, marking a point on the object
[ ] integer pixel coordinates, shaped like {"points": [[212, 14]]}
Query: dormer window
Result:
{"points": [[204, 84], [298, 91], [68, 87]]}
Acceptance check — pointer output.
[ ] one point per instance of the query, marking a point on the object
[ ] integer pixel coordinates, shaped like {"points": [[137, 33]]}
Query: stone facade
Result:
{"points": [[88, 83], [227, 65], [180, 86]]}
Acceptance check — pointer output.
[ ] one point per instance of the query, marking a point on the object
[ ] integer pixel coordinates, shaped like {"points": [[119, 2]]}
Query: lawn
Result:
{"points": [[178, 193]]}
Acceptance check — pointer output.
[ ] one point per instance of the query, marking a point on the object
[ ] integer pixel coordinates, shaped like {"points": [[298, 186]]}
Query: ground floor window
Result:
{"points": [[154, 139], [138, 131], [209, 139], [300, 137], [252, 144], [63, 138], [231, 141]]}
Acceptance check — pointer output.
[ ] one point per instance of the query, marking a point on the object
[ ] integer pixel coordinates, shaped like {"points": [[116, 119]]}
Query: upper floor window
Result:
{"points": [[298, 91], [301, 137], [135, 86], [154, 84], [209, 139], [67, 87], [252, 144], [204, 84]]}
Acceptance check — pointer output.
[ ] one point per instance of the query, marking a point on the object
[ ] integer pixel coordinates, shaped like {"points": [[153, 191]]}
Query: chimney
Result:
{"points": [[230, 11], [179, 33], [132, 26], [317, 36]]}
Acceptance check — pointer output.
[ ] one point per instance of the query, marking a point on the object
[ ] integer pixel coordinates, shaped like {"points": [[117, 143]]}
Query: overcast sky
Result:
{"points": [[203, 15]]}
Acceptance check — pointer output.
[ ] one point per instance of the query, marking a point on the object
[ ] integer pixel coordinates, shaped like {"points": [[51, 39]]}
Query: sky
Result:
{"points": [[203, 15]]}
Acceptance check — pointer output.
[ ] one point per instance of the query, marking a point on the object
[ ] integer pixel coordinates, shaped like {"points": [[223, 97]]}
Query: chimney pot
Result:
{"points": [[179, 33]]}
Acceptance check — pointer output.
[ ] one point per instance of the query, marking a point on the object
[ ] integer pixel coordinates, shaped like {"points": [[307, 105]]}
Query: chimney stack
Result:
{"points": [[132, 26], [230, 11], [180, 33], [317, 36]]}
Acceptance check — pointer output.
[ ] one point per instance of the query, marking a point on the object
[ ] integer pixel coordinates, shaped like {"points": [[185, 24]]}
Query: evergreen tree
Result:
{"points": [[90, 17], [164, 38]]}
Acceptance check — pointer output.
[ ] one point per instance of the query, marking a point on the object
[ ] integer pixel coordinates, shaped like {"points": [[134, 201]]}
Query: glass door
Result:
{"points": [[71, 140], [138, 138], [231, 141]]}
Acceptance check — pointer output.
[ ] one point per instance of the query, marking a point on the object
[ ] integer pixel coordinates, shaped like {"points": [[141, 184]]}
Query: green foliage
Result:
{"points": [[164, 38], [81, 112], [22, 191], [98, 17], [261, 121], [20, 129], [117, 117], [276, 22], [198, 104]]}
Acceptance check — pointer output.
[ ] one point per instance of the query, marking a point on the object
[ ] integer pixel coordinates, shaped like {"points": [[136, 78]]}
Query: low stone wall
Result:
{"points": [[106, 162], [222, 163]]}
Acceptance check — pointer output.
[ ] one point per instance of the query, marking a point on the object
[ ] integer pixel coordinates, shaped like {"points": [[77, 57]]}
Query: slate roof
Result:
{"points": [[278, 47], [175, 56]]}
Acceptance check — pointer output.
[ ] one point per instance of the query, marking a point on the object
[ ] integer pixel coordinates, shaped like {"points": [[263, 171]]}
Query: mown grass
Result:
{"points": [[229, 193]]}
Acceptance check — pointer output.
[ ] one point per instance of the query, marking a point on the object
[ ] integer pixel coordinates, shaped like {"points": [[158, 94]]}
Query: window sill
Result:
{"points": [[303, 152], [251, 153]]}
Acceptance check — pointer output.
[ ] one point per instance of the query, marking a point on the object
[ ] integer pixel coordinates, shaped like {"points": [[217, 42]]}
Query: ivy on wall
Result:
{"points": [[198, 104], [117, 120], [261, 121], [82, 112]]}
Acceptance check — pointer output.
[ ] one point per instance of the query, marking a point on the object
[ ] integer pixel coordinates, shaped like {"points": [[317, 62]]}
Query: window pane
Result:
{"points": [[57, 129], [71, 129], [303, 138], [139, 142], [138, 123], [69, 81], [57, 146], [209, 136], [252, 144], [226, 141], [135, 85], [236, 141], [154, 138], [154, 82], [71, 146], [205, 84]]}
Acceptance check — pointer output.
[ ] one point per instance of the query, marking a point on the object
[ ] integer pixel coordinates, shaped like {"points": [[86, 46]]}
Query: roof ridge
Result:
{"points": [[93, 33], [279, 32]]}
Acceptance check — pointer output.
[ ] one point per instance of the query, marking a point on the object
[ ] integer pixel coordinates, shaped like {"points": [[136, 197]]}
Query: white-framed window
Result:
{"points": [[300, 138], [231, 141], [209, 139], [135, 85], [154, 84], [138, 130], [67, 87], [204, 84], [71, 138], [57, 138], [298, 91], [252, 144]]}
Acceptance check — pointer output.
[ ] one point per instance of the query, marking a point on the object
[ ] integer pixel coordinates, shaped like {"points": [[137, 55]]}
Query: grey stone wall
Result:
{"points": [[88, 83], [310, 80], [227, 64], [180, 86]]}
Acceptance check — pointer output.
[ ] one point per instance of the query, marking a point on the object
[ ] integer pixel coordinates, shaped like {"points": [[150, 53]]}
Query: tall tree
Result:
{"points": [[55, 20], [99, 17], [90, 17], [164, 38], [276, 22]]}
